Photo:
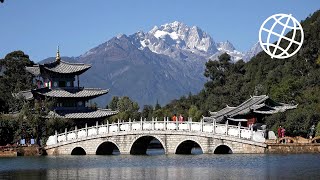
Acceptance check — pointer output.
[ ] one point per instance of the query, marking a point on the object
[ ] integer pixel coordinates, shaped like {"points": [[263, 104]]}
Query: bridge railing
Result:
{"points": [[156, 125]]}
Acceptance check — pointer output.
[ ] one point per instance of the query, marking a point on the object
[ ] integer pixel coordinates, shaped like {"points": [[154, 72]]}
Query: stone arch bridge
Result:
{"points": [[174, 137]]}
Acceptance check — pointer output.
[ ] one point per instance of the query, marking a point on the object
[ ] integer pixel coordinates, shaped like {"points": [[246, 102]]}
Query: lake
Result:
{"points": [[201, 166]]}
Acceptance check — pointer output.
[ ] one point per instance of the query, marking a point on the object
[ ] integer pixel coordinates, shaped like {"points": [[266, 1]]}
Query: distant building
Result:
{"points": [[59, 81], [2, 70], [249, 112]]}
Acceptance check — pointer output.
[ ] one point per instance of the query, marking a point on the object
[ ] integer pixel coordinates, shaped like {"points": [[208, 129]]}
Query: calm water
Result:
{"points": [[203, 166]]}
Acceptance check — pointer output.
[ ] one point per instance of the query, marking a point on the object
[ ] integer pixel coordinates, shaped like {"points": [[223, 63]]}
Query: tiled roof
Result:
{"points": [[35, 70], [61, 67], [24, 94], [81, 114], [255, 104], [66, 67], [222, 111], [71, 92]]}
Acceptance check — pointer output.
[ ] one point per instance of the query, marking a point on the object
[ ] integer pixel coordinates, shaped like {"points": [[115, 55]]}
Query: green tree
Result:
{"points": [[194, 113], [147, 111], [113, 105], [318, 129], [127, 109], [157, 106], [8, 128], [14, 80]]}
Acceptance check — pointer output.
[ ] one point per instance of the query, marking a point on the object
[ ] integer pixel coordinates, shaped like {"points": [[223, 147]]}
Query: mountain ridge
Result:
{"points": [[159, 65]]}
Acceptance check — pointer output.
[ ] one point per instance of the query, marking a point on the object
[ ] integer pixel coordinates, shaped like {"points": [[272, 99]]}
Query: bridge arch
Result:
{"points": [[140, 144], [107, 148], [185, 146], [78, 151], [223, 149]]}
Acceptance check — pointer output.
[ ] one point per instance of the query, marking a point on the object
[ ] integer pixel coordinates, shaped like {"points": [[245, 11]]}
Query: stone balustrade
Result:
{"points": [[165, 125]]}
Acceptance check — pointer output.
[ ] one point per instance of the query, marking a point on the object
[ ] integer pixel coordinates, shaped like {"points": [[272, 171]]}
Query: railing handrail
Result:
{"points": [[156, 121], [150, 122]]}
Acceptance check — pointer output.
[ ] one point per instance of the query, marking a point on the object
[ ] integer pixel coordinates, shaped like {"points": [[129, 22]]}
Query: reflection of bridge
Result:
{"points": [[175, 138]]}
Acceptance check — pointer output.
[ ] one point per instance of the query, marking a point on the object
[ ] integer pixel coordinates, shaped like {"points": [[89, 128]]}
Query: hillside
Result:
{"points": [[293, 80]]}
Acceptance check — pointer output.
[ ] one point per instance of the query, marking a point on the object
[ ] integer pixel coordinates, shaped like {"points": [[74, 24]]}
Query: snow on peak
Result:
{"points": [[179, 40], [254, 50], [179, 35], [226, 46]]}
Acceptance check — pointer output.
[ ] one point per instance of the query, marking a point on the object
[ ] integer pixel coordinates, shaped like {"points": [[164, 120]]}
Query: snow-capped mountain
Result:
{"points": [[256, 48], [159, 65]]}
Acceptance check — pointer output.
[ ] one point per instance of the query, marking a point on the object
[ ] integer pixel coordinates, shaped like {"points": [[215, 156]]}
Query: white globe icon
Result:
{"points": [[286, 23]]}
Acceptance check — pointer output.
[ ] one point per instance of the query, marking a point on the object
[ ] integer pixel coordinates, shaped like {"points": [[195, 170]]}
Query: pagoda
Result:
{"points": [[251, 111], [59, 81]]}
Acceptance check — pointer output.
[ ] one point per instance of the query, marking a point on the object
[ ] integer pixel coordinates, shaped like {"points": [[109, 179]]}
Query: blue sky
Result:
{"points": [[38, 26]]}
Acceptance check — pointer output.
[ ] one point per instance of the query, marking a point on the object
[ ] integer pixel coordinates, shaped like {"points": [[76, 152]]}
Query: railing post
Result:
{"points": [[130, 124], [76, 131], [214, 126], [201, 125], [177, 124], [56, 136], [118, 125], [251, 132], [189, 123], [239, 129], [65, 133], [86, 130], [152, 124], [227, 127], [141, 125], [155, 122], [107, 126], [97, 126], [164, 124]]}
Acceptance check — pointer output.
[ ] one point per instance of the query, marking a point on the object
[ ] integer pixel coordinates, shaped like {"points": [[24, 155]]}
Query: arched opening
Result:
{"points": [[223, 149], [147, 145], [78, 151], [189, 147], [107, 148]]}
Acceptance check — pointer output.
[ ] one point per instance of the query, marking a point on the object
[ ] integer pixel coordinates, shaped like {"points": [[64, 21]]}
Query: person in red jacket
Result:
{"points": [[174, 117], [279, 132]]}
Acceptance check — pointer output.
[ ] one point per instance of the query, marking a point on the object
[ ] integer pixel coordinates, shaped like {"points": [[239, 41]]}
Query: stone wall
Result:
{"points": [[293, 148]]}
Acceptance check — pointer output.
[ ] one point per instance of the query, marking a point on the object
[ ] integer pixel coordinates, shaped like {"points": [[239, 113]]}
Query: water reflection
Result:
{"points": [[203, 166], [147, 173]]}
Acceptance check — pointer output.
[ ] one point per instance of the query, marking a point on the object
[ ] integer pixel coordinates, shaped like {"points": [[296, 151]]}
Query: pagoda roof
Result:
{"points": [[35, 70], [82, 114], [27, 95], [60, 67], [66, 67], [257, 104], [73, 92]]}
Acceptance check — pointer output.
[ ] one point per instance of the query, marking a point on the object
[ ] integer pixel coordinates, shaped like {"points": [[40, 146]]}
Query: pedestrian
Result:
{"points": [[180, 118], [283, 131], [279, 132], [311, 133], [174, 117]]}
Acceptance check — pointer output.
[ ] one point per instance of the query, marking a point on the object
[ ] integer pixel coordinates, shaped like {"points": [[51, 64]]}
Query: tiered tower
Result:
{"points": [[59, 81]]}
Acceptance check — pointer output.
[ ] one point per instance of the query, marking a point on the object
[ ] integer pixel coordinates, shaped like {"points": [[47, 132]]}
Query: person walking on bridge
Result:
{"points": [[180, 118], [174, 117]]}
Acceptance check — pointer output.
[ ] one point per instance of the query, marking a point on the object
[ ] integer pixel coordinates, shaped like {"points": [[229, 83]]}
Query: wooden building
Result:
{"points": [[249, 112]]}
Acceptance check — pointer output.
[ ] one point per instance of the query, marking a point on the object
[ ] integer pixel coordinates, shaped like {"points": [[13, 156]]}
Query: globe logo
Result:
{"points": [[272, 36]]}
